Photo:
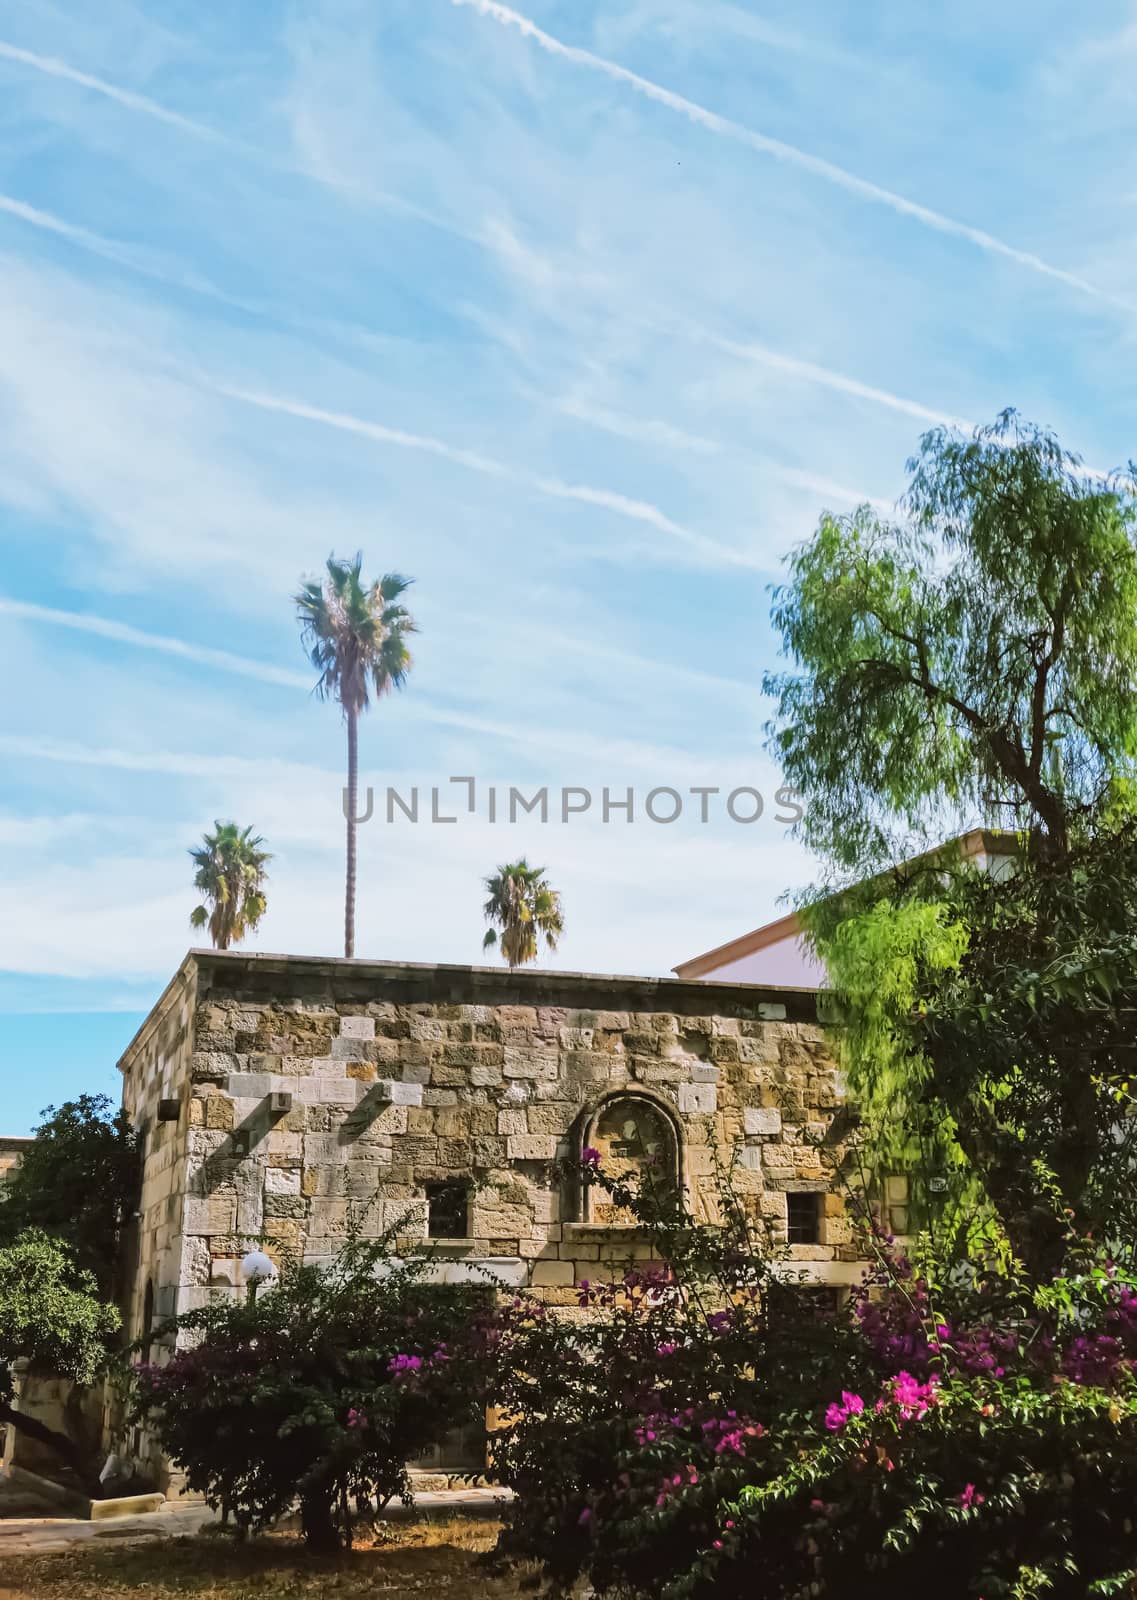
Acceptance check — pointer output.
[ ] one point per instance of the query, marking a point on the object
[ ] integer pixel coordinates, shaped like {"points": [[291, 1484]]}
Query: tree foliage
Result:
{"points": [[526, 908], [230, 872], [975, 664], [78, 1181], [975, 660], [50, 1312], [52, 1317]]}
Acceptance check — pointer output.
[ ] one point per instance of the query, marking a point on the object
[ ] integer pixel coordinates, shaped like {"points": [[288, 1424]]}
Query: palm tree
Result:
{"points": [[231, 875], [524, 907], [356, 636]]}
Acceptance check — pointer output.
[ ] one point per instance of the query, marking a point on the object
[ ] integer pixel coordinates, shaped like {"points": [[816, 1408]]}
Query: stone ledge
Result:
{"points": [[614, 1233], [130, 1505], [338, 981]]}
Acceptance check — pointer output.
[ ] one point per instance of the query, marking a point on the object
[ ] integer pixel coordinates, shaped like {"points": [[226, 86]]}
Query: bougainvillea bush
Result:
{"points": [[318, 1392], [709, 1429], [629, 1417]]}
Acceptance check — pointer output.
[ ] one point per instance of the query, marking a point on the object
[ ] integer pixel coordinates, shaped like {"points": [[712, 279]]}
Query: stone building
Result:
{"points": [[281, 1097], [11, 1149]]}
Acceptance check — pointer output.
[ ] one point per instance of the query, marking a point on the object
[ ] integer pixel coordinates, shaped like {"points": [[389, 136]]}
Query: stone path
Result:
{"points": [[44, 1535]]}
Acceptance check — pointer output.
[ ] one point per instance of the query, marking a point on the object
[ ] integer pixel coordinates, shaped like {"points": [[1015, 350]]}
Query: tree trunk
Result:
{"points": [[65, 1448], [352, 798], [316, 1521]]}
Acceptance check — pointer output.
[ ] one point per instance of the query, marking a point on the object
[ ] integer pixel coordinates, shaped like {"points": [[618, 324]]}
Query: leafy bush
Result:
{"points": [[321, 1390], [706, 1430], [679, 1366], [52, 1318]]}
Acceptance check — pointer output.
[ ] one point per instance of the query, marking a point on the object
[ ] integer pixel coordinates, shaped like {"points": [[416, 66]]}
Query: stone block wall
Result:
{"points": [[313, 1093], [156, 1077]]}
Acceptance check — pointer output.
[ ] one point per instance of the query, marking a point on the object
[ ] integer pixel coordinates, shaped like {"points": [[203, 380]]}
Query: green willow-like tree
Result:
{"points": [[231, 875], [525, 908], [356, 635], [975, 662]]}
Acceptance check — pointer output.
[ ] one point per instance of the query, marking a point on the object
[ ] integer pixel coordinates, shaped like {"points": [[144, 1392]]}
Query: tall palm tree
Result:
{"points": [[231, 875], [356, 636], [525, 908]]}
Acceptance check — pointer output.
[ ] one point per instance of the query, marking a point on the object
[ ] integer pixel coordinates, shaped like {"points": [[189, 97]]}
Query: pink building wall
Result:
{"points": [[786, 963]]}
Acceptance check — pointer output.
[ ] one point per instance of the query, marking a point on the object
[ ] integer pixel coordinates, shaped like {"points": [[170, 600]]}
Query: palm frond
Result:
{"points": [[231, 875], [526, 909], [355, 633]]}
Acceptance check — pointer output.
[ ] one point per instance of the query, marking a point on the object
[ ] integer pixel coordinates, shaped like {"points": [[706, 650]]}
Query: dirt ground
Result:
{"points": [[418, 1560]]}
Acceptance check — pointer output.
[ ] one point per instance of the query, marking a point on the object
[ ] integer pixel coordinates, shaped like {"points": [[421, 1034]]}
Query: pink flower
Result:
{"points": [[971, 1496], [401, 1367], [851, 1405], [589, 1157], [911, 1397]]}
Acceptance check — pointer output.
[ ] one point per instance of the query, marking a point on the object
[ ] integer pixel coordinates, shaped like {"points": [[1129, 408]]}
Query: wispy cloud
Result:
{"points": [[309, 168], [791, 154], [619, 759], [653, 431], [646, 430], [838, 382], [210, 767], [162, 644], [53, 67], [540, 639], [643, 430], [621, 505], [132, 259]]}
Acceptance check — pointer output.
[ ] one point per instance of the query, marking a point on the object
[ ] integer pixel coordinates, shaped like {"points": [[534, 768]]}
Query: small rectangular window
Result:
{"points": [[802, 1211], [448, 1210]]}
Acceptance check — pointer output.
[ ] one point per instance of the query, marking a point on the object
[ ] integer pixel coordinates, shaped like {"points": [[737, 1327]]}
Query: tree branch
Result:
{"points": [[53, 1440]]}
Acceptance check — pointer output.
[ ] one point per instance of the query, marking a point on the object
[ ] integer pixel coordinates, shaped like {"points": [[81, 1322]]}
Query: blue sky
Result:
{"points": [[580, 313]]}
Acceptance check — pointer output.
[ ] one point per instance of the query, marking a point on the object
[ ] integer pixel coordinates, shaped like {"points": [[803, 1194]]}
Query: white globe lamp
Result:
{"points": [[257, 1268]]}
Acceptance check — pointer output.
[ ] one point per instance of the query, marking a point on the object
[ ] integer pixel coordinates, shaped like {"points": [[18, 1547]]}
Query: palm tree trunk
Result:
{"points": [[352, 795]]}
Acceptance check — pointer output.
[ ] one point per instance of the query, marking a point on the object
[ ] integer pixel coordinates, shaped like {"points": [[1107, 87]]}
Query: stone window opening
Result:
{"points": [[636, 1141], [803, 1214], [887, 1204], [448, 1209], [147, 1328]]}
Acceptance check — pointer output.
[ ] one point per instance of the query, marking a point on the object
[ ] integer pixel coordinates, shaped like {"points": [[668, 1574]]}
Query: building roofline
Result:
{"points": [[176, 986], [746, 944], [995, 841], [338, 980]]}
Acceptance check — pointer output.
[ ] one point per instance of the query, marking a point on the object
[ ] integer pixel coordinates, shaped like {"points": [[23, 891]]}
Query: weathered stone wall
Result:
{"points": [[403, 1076], [156, 1068]]}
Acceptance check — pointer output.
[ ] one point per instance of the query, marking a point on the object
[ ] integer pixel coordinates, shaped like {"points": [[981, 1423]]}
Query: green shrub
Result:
{"points": [[319, 1391]]}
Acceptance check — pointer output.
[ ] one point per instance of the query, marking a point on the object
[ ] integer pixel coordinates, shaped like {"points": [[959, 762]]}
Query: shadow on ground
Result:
{"points": [[417, 1561]]}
